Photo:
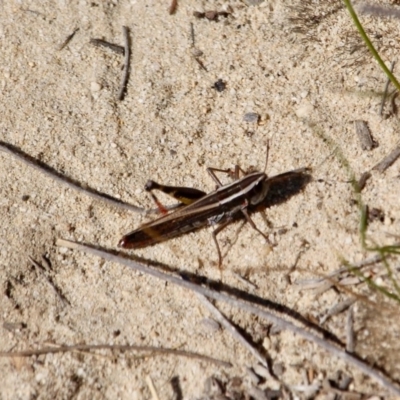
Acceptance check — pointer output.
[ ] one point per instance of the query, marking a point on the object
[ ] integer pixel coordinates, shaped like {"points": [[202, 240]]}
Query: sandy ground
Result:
{"points": [[61, 107]]}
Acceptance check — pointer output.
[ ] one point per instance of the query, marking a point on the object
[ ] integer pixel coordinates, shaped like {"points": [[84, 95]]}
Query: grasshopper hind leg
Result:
{"points": [[214, 236], [224, 224]]}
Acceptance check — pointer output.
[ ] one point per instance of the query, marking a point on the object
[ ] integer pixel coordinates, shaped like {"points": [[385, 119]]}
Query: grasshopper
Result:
{"points": [[198, 209]]}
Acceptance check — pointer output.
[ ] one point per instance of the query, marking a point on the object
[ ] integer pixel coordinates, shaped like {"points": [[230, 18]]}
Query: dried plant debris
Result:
{"points": [[237, 388], [305, 18], [46, 271], [383, 165], [328, 341], [331, 386], [68, 39], [126, 70], [306, 15], [344, 275], [375, 214], [350, 336], [211, 15], [173, 6], [360, 184], [364, 135], [385, 95], [112, 46], [336, 309], [377, 10]]}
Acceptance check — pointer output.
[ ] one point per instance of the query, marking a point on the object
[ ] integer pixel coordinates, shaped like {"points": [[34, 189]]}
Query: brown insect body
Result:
{"points": [[216, 207], [226, 203]]}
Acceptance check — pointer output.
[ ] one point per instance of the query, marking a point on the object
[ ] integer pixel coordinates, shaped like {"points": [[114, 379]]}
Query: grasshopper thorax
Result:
{"points": [[260, 191]]}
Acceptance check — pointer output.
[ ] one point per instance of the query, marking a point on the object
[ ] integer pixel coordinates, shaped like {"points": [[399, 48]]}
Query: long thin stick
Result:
{"points": [[244, 305], [87, 347], [383, 165], [235, 333], [125, 73], [45, 169], [103, 43]]}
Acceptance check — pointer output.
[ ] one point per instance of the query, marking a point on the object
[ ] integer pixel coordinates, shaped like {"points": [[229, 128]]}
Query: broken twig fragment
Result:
{"points": [[234, 332], [54, 349], [247, 306], [350, 340], [211, 15], [173, 6], [385, 92], [364, 135], [383, 165], [68, 39], [362, 181], [112, 46], [125, 73], [65, 180], [337, 309]]}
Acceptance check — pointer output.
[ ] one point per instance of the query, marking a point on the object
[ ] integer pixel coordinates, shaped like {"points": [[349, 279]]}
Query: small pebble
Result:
{"points": [[95, 87], [379, 281], [210, 325], [266, 343], [251, 117], [304, 110]]}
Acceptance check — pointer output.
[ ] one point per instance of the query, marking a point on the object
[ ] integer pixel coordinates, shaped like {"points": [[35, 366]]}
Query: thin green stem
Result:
{"points": [[370, 45]]}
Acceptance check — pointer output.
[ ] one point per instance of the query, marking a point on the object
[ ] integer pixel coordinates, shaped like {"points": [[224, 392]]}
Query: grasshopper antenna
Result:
{"points": [[266, 157]]}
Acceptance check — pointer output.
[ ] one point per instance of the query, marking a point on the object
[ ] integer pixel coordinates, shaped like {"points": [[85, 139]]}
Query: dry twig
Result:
{"points": [[327, 345], [364, 135], [173, 6], [383, 165], [362, 181], [235, 333], [350, 345], [112, 46], [88, 347], [337, 309], [385, 92], [329, 279], [68, 39], [58, 177], [125, 73]]}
